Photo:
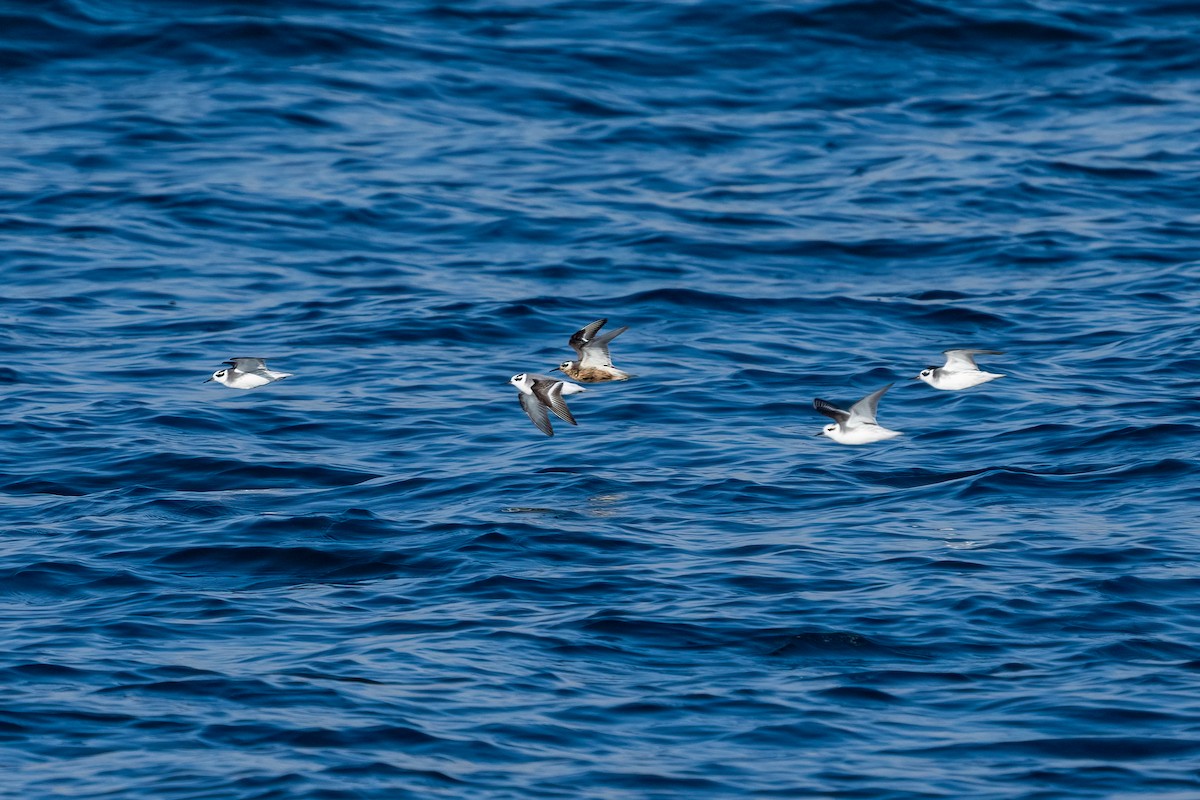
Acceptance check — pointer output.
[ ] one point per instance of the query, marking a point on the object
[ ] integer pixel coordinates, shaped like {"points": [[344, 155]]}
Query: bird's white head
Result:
{"points": [[219, 376], [828, 430], [520, 381], [926, 375]]}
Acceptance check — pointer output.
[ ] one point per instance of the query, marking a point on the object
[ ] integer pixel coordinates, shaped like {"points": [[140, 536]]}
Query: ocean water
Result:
{"points": [[378, 580]]}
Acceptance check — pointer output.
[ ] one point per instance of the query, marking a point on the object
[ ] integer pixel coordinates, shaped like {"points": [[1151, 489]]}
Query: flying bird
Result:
{"points": [[540, 394], [247, 373], [960, 370], [593, 364], [858, 425]]}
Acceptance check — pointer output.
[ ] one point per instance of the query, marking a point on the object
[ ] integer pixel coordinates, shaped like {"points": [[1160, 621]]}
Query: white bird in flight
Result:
{"points": [[539, 393], [960, 370], [247, 373], [858, 425]]}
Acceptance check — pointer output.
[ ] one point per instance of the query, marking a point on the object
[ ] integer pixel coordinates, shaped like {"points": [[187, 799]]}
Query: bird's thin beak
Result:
{"points": [[556, 369], [207, 380], [916, 377], [819, 433]]}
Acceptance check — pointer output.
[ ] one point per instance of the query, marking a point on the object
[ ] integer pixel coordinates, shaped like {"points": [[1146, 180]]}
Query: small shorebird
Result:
{"points": [[593, 364], [959, 371], [858, 425], [247, 373], [541, 392]]}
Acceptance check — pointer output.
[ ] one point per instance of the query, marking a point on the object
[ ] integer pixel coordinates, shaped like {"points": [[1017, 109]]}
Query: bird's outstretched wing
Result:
{"points": [[537, 412], [830, 410], [863, 412], [958, 360]]}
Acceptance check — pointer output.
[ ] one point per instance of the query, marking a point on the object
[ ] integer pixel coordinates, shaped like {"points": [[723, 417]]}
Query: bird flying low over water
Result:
{"points": [[959, 371], [858, 425], [247, 373], [593, 364], [541, 392]]}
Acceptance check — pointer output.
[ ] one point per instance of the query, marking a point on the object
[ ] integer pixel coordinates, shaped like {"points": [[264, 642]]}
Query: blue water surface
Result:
{"points": [[378, 580]]}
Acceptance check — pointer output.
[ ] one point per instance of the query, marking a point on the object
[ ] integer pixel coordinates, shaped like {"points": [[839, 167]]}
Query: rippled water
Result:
{"points": [[378, 580]]}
